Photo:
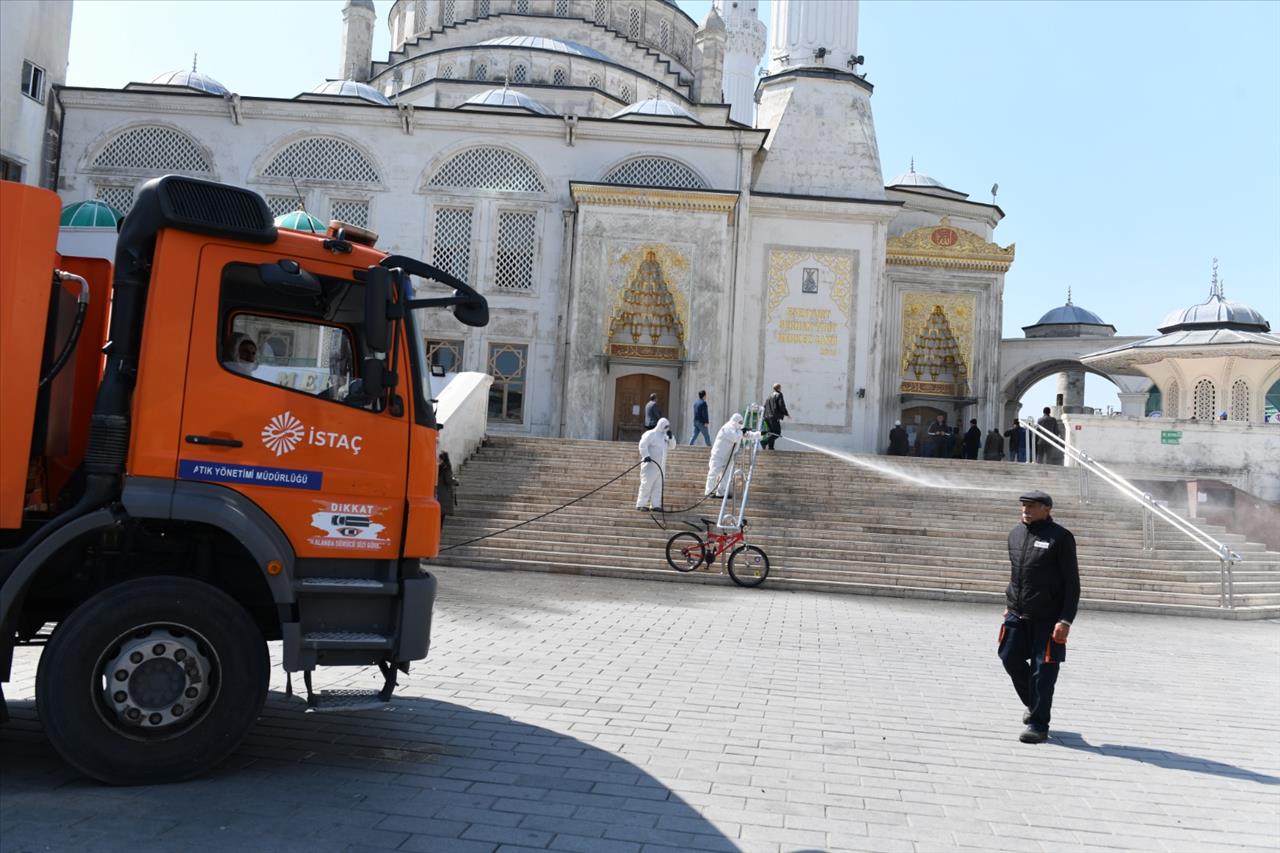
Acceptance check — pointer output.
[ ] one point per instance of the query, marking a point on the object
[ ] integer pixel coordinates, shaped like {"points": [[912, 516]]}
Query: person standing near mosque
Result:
{"points": [[972, 440], [937, 437], [701, 419], [1040, 605], [775, 409], [993, 449], [1017, 435], [721, 452], [653, 464], [1046, 452], [652, 411], [898, 445]]}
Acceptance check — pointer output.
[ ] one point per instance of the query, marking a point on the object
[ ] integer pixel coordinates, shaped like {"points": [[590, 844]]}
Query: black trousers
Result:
{"points": [[1032, 658], [773, 428]]}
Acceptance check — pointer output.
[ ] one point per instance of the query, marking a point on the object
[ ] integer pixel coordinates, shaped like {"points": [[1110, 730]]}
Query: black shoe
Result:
{"points": [[642, 509], [1033, 735], [658, 509], [1026, 716], [717, 497]]}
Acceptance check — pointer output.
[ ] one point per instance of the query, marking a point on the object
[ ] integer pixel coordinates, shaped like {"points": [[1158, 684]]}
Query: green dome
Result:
{"points": [[90, 214], [300, 220]]}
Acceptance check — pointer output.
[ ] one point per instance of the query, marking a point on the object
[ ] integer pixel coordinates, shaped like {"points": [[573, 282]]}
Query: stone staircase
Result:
{"points": [[831, 524]]}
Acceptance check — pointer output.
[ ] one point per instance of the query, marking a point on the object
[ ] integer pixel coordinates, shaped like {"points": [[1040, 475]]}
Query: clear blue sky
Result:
{"points": [[1132, 142]]}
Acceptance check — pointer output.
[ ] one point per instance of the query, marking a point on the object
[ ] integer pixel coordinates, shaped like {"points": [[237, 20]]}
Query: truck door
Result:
{"points": [[273, 407]]}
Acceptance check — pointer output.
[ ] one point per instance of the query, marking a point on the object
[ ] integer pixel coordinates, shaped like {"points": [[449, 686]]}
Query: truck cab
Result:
{"points": [[241, 449]]}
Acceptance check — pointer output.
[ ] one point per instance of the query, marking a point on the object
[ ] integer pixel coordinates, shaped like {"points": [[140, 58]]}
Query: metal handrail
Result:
{"points": [[1151, 511]]}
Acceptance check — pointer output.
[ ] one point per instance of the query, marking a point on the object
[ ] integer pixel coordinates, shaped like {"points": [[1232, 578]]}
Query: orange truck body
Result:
{"points": [[298, 484]]}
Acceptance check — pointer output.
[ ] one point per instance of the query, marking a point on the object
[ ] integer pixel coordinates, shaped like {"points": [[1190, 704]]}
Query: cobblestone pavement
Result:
{"points": [[590, 714]]}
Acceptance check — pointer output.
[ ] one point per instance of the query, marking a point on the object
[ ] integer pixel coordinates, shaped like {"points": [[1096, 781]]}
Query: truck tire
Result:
{"points": [[152, 680]]}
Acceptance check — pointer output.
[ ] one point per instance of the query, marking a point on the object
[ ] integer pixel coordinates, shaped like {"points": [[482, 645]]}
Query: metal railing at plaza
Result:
{"points": [[1152, 510]]}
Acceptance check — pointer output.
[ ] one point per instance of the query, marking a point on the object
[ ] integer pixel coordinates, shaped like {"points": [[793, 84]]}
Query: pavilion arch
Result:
{"points": [[319, 159], [1013, 387], [651, 170], [485, 167]]}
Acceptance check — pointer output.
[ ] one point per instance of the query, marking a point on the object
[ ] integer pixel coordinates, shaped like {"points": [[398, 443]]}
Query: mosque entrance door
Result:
{"points": [[630, 393], [916, 421]]}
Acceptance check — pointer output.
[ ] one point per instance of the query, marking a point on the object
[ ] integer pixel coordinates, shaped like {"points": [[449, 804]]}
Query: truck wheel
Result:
{"points": [[152, 680]]}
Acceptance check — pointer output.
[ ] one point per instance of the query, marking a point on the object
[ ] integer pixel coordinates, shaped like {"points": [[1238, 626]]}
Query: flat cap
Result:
{"points": [[1037, 496]]}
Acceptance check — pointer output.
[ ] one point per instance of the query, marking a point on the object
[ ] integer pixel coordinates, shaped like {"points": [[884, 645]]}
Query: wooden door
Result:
{"points": [[630, 394]]}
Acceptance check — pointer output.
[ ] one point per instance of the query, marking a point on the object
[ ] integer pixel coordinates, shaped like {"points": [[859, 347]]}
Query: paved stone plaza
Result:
{"points": [[590, 714]]}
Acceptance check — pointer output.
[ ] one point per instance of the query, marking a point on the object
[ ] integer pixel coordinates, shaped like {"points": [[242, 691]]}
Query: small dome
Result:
{"points": [[1216, 313], [506, 98], [1073, 314], [90, 214], [654, 107], [541, 43], [191, 80], [352, 89], [300, 220]]}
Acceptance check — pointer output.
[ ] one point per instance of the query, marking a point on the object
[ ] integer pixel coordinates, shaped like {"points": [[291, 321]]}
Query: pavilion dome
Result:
{"points": [[542, 43], [90, 214], [1073, 314], [912, 178], [1216, 313], [300, 220], [191, 80], [506, 98], [352, 89], [655, 107]]}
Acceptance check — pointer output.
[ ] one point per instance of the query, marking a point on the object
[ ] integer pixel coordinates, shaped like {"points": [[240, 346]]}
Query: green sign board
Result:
{"points": [[1170, 436]]}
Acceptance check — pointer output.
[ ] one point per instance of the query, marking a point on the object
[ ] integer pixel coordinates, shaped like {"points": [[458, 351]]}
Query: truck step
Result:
{"points": [[330, 701], [345, 586], [345, 640]]}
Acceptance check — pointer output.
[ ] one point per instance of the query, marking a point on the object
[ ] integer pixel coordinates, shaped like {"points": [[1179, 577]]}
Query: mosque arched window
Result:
{"points": [[594, 81], [520, 74], [482, 8], [559, 77], [1205, 401], [522, 7], [322, 158], [1155, 401], [1172, 400], [482, 71], [488, 168], [1239, 410], [118, 196], [447, 71], [633, 23], [450, 13], [664, 35], [655, 172], [420, 24], [602, 12], [625, 93], [419, 76], [1271, 403], [562, 8], [153, 149]]}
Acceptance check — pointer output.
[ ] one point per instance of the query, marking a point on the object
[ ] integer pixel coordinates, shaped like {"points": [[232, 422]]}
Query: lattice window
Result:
{"points": [[350, 211], [602, 12], [562, 8], [281, 204], [522, 7], [419, 75], [633, 23], [513, 264], [625, 93], [507, 364], [482, 71], [1172, 400], [1205, 400], [119, 197], [520, 74], [594, 81], [682, 49], [153, 148], [452, 252], [664, 35], [488, 169], [450, 12], [482, 8], [322, 158], [655, 172], [1239, 400], [447, 71], [559, 77], [446, 354], [420, 16]]}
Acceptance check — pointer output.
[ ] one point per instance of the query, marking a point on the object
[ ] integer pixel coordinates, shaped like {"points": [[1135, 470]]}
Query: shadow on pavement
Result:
{"points": [[1162, 758], [420, 775]]}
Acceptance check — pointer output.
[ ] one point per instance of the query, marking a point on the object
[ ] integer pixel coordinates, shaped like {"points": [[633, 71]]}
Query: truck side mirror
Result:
{"points": [[377, 297], [472, 312]]}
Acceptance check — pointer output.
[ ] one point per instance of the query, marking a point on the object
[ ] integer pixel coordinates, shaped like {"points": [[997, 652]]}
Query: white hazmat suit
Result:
{"points": [[726, 440], [653, 445]]}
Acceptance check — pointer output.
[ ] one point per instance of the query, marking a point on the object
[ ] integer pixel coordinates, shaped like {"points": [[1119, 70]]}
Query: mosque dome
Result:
{"points": [[912, 178], [191, 80], [352, 89], [90, 214], [1216, 313], [300, 220], [506, 98], [1071, 314], [542, 43], [655, 107]]}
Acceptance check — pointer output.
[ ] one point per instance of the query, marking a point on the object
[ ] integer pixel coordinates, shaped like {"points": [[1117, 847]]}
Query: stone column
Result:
{"points": [[1071, 390], [809, 34]]}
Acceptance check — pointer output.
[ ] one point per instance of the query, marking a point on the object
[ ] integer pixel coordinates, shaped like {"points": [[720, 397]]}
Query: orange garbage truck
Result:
{"points": [[221, 439]]}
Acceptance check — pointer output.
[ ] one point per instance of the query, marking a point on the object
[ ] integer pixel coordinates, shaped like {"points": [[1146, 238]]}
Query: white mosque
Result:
{"points": [[651, 205]]}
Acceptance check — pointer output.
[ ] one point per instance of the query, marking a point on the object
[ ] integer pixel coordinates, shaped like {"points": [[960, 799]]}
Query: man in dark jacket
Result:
{"points": [[937, 438], [701, 417], [775, 409], [1046, 452], [898, 444], [1040, 604], [1017, 436], [993, 449], [652, 412], [972, 440]]}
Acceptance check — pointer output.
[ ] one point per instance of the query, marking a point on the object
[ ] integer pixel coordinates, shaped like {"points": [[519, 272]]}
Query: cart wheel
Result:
{"points": [[685, 551], [748, 566]]}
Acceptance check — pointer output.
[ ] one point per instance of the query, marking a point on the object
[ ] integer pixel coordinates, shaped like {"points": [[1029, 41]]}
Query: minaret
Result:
{"points": [[822, 140], [358, 17], [743, 50], [708, 71]]}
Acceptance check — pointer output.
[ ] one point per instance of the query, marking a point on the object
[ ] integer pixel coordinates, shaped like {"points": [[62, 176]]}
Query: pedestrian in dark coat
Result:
{"points": [[775, 409], [445, 484], [898, 445], [1017, 436], [972, 440], [1040, 605], [993, 449], [1046, 452], [701, 417], [652, 412], [937, 437], [955, 444]]}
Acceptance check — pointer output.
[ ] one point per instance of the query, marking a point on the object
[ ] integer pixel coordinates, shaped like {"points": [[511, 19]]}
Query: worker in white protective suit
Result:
{"points": [[653, 455], [726, 440]]}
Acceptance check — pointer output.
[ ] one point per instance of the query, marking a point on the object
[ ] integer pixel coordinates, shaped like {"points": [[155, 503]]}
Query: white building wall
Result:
{"points": [[38, 32]]}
